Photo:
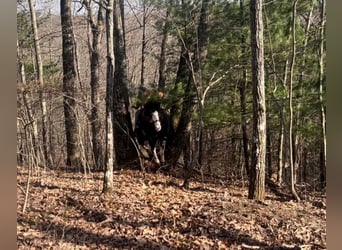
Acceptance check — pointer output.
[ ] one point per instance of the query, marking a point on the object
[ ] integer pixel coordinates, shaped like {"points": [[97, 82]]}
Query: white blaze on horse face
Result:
{"points": [[155, 120]]}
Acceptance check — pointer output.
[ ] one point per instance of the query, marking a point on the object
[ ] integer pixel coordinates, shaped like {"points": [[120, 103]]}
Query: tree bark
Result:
{"points": [[143, 46], [242, 90], [96, 30], [298, 139], [280, 152], [123, 128], [110, 156], [290, 135], [323, 163], [162, 57], [257, 174], [69, 84], [269, 147], [200, 56]]}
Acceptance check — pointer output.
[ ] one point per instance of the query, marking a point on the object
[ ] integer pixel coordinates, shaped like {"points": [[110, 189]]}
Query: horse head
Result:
{"points": [[151, 111]]}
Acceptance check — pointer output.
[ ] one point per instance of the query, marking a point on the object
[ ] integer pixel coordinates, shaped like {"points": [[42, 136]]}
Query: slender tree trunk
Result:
{"points": [[280, 152], [143, 46], [281, 159], [162, 57], [40, 78], [242, 89], [110, 157], [321, 99], [69, 85], [96, 30], [269, 147], [200, 56], [298, 137], [290, 135], [28, 107], [257, 174]]}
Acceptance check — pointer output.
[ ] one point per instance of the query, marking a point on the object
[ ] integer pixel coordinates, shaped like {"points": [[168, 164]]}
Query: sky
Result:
{"points": [[47, 5]]}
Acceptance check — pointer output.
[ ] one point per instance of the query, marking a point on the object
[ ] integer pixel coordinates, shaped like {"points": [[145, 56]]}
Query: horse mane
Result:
{"points": [[152, 106]]}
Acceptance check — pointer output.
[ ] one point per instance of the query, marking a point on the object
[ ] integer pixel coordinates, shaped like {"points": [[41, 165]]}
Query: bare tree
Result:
{"points": [[40, 80], [69, 85], [123, 128], [162, 57], [242, 90], [257, 171], [94, 47], [298, 136], [321, 93], [292, 64], [110, 156], [30, 126]]}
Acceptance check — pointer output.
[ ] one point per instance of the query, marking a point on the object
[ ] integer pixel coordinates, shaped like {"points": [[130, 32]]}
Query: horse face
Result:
{"points": [[155, 120]]}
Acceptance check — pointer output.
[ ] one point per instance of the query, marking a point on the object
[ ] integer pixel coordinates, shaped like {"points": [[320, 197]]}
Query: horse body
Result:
{"points": [[153, 125]]}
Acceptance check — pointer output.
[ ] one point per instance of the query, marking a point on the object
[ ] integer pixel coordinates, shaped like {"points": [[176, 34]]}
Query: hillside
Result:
{"points": [[150, 211]]}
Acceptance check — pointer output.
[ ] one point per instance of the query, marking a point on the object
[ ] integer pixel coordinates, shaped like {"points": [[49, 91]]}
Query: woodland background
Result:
{"points": [[199, 54]]}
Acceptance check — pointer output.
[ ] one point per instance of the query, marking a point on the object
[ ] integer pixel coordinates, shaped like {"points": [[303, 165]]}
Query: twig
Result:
{"points": [[249, 247], [136, 146], [27, 188], [21, 188]]}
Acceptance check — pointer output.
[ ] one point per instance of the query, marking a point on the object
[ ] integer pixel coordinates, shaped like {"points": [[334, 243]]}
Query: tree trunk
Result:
{"points": [[323, 163], [162, 57], [182, 76], [123, 128], [280, 151], [182, 140], [28, 108], [257, 174], [143, 46], [40, 80], [96, 30], [110, 157], [199, 56], [242, 89], [290, 135], [298, 139], [269, 147], [69, 84]]}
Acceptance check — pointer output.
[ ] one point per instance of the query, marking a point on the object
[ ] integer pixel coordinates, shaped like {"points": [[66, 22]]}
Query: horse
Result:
{"points": [[153, 125]]}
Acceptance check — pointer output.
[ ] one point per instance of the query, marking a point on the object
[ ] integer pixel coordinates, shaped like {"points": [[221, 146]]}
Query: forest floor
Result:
{"points": [[151, 211]]}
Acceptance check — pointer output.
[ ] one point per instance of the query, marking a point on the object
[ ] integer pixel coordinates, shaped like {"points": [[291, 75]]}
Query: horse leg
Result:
{"points": [[155, 156], [162, 152]]}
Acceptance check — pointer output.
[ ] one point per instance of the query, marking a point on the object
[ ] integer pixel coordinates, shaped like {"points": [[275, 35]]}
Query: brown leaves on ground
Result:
{"points": [[151, 211]]}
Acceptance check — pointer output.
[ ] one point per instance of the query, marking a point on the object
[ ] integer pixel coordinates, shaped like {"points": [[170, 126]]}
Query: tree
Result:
{"points": [[257, 171], [94, 47], [40, 81], [321, 100], [292, 63], [30, 126], [242, 90], [123, 129], [162, 57], [184, 110], [110, 156], [69, 82]]}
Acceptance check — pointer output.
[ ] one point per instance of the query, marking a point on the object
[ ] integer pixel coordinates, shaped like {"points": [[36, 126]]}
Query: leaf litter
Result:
{"points": [[151, 211]]}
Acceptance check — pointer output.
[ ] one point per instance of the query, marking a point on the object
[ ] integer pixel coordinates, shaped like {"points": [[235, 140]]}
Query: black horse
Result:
{"points": [[153, 125]]}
